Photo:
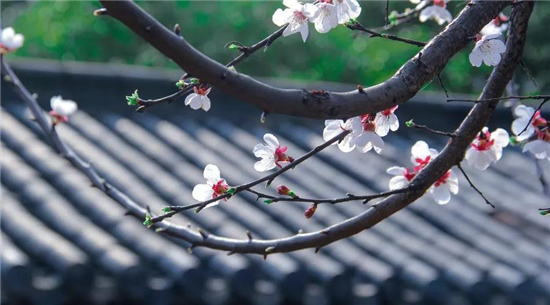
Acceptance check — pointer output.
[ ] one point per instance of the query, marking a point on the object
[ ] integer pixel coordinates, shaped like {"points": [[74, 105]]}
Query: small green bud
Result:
{"points": [[166, 209], [409, 123], [148, 221], [545, 212], [392, 17], [514, 141], [133, 99], [233, 46], [268, 201], [181, 84], [194, 81], [291, 194], [231, 190]]}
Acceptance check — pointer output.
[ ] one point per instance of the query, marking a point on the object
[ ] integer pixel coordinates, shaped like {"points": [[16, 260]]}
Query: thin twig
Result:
{"points": [[245, 52], [365, 198], [442, 86], [518, 97], [473, 186], [244, 187], [358, 27], [412, 124]]}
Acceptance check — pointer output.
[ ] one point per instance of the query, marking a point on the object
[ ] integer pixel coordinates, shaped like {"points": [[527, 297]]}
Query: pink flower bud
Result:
{"points": [[310, 211], [283, 190]]}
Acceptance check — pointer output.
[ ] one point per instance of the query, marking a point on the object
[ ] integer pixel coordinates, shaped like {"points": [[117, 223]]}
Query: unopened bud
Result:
{"points": [[283, 190], [409, 123], [148, 221], [545, 212], [310, 211], [268, 201], [166, 209]]}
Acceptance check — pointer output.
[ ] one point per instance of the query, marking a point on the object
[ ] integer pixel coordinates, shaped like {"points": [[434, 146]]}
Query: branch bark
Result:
{"points": [[412, 76]]}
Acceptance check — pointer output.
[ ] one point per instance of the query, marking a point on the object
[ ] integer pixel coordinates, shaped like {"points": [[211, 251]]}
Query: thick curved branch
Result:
{"points": [[412, 76], [451, 155]]}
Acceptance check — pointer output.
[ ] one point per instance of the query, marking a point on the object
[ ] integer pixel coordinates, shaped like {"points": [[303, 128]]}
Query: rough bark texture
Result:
{"points": [[412, 76]]}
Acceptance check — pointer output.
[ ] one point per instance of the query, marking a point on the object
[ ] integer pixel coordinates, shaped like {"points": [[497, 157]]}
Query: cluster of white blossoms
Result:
{"points": [[422, 155], [487, 148], [530, 127], [366, 131], [10, 41], [324, 14]]}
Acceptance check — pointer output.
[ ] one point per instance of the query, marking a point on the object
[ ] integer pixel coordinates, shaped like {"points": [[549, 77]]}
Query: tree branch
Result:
{"points": [[247, 186], [473, 185], [356, 26], [319, 104], [450, 155]]}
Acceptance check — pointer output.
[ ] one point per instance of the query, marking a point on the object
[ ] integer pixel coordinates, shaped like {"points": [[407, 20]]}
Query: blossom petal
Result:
{"points": [[202, 192], [212, 173], [265, 164], [501, 137], [304, 31], [396, 171], [398, 182], [271, 140], [476, 57], [332, 129], [292, 4], [262, 150], [206, 103], [523, 111], [347, 144], [441, 194], [280, 17]]}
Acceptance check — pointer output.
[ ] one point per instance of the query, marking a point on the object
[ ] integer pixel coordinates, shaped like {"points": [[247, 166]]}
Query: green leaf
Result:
{"points": [[148, 221], [133, 99]]}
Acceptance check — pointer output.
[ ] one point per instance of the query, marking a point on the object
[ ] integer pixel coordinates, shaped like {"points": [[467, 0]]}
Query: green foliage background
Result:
{"points": [[67, 30]]}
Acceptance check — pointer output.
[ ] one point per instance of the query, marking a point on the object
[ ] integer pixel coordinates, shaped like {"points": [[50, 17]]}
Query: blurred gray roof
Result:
{"points": [[64, 242]]}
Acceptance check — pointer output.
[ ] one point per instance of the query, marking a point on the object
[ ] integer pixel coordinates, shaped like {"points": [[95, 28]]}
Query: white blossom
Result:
{"points": [[422, 154], [487, 49], [523, 121], [271, 153], [346, 10], [296, 15], [199, 99], [62, 109], [487, 148], [438, 11], [214, 187], [326, 17], [335, 127], [10, 41]]}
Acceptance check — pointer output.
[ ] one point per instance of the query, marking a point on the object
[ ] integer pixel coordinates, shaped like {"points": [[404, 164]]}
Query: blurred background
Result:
{"points": [[64, 242]]}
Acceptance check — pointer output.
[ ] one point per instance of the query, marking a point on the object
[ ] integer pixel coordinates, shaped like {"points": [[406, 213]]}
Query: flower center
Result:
{"points": [[219, 188], [409, 175], [440, 3], [281, 156], [483, 141], [298, 17], [421, 163], [443, 179], [201, 90], [368, 122]]}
